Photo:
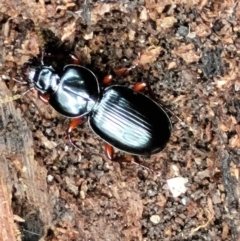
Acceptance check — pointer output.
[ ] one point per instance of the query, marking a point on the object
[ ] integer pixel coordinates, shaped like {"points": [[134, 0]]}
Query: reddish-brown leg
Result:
{"points": [[109, 151], [44, 98], [123, 71], [75, 59], [73, 124], [107, 80], [139, 86]]}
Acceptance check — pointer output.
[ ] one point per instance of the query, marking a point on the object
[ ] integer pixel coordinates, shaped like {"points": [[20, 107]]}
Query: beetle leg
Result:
{"points": [[123, 71], [107, 80], [143, 166], [73, 124], [75, 59], [44, 98], [109, 151], [151, 94], [132, 160], [139, 86], [24, 93]]}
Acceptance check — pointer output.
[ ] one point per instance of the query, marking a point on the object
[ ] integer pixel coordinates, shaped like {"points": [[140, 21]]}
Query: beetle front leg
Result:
{"points": [[72, 125], [45, 98], [75, 59]]}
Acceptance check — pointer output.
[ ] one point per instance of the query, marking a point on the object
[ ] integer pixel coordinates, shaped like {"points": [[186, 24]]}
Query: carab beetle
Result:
{"points": [[124, 118]]}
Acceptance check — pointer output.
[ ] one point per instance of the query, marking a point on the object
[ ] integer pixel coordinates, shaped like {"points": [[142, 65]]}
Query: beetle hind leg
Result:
{"points": [[72, 125], [109, 152]]}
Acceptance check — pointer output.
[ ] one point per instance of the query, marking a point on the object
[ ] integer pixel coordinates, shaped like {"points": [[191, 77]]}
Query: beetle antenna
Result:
{"points": [[42, 56], [30, 89], [20, 82]]}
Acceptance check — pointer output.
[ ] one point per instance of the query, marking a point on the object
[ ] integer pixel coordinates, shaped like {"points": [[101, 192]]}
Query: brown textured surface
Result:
{"points": [[190, 57]]}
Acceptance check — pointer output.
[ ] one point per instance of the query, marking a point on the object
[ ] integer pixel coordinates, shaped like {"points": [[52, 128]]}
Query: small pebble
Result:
{"points": [[49, 178], [155, 219]]}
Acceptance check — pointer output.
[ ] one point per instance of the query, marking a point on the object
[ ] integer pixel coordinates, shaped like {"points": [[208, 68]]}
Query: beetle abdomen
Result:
{"points": [[130, 121]]}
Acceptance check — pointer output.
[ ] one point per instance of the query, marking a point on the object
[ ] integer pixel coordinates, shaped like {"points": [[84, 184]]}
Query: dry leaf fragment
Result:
{"points": [[165, 23], [69, 30], [187, 53], [149, 55], [234, 141], [101, 9], [143, 15], [172, 65], [225, 231], [156, 5], [202, 30], [131, 35], [223, 127], [88, 36]]}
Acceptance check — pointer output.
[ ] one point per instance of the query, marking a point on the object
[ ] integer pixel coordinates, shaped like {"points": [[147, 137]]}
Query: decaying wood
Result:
{"points": [[22, 179]]}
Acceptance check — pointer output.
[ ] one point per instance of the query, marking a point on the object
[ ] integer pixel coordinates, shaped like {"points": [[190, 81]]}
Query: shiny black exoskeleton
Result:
{"points": [[122, 117]]}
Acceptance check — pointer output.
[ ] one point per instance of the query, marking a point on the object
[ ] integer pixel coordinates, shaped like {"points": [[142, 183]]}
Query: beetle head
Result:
{"points": [[44, 78]]}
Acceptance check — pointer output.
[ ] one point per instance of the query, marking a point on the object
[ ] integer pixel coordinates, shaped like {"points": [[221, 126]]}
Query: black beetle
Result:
{"points": [[124, 118]]}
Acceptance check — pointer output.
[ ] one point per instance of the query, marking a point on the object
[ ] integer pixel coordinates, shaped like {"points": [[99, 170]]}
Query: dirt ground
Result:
{"points": [[189, 49]]}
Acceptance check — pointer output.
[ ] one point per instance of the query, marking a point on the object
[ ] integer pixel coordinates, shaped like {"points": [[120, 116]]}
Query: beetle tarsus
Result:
{"points": [[71, 142], [72, 125], [132, 160], [143, 166]]}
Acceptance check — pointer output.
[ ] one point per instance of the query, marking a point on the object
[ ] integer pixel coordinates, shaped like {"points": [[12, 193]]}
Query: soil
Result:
{"points": [[189, 56]]}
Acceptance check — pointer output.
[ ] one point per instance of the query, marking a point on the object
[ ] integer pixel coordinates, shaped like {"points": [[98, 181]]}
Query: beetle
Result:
{"points": [[122, 117]]}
